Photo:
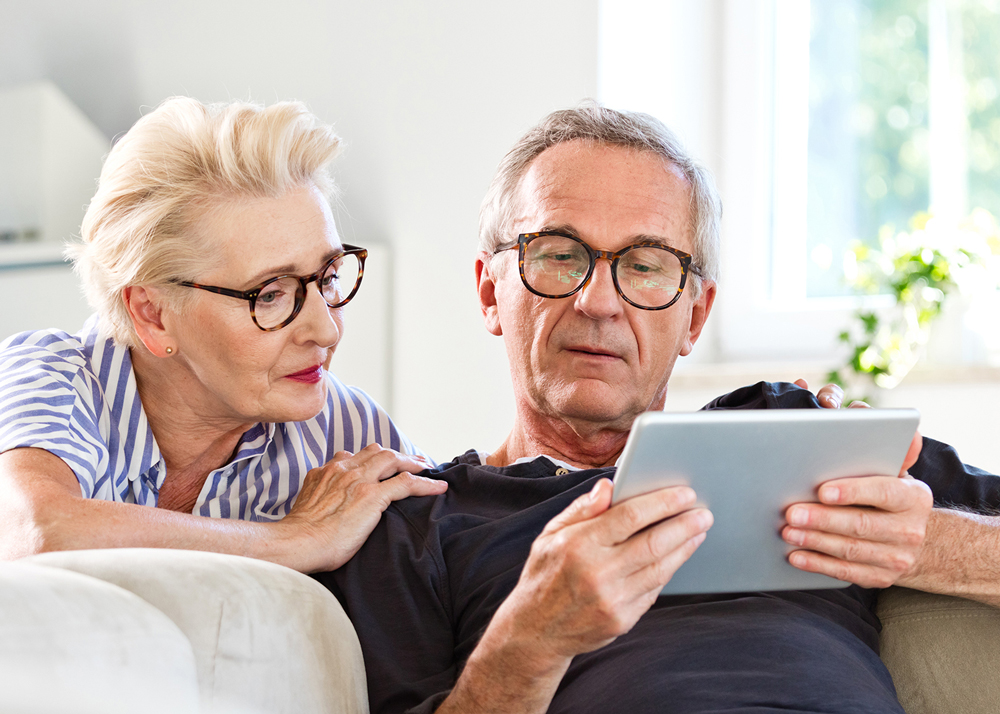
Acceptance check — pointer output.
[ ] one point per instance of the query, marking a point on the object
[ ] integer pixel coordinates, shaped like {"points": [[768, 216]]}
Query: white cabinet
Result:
{"points": [[50, 159]]}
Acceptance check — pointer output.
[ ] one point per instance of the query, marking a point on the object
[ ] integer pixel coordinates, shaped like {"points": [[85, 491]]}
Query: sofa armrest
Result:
{"points": [[73, 644], [943, 652], [265, 638]]}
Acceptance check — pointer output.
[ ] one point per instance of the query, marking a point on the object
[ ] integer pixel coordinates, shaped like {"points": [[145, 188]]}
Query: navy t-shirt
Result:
{"points": [[425, 585]]}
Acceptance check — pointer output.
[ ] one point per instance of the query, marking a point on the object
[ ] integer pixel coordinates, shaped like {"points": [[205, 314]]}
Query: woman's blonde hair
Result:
{"points": [[166, 170]]}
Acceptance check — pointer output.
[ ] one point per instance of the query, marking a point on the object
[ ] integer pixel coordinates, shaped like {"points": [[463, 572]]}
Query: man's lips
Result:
{"points": [[588, 351], [310, 375]]}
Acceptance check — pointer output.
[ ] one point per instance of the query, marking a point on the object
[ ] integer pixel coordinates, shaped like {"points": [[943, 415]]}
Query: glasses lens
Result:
{"points": [[340, 278], [555, 265], [276, 302], [649, 276]]}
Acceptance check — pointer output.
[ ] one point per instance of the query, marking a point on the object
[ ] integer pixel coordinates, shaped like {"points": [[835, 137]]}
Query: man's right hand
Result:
{"points": [[592, 573]]}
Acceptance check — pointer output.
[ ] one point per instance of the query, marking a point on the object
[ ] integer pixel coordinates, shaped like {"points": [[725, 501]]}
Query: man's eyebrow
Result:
{"points": [[558, 228], [287, 269], [638, 238], [643, 238]]}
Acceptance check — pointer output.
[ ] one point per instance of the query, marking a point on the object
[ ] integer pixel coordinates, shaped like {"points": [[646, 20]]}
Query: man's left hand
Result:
{"points": [[866, 530]]}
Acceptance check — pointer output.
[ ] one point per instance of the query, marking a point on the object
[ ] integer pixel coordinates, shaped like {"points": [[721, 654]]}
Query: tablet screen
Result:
{"points": [[747, 467]]}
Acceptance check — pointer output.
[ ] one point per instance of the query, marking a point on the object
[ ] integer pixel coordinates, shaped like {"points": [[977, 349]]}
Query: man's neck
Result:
{"points": [[579, 443]]}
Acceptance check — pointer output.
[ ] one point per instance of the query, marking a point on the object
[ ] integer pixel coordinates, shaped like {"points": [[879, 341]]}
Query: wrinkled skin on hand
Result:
{"points": [[596, 569], [342, 501], [867, 530]]}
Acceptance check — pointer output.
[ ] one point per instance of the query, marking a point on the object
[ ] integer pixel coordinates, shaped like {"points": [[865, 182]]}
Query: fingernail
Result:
{"points": [[592, 496], [798, 516], [795, 536], [797, 558], [830, 493]]}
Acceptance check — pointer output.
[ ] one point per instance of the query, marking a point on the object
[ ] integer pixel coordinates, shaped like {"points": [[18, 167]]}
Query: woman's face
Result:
{"points": [[233, 371]]}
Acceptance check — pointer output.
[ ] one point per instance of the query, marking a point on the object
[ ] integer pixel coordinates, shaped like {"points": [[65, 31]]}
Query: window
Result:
{"points": [[889, 108], [822, 120]]}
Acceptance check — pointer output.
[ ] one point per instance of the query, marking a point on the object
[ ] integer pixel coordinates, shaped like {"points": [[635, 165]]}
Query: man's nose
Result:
{"points": [[599, 299]]}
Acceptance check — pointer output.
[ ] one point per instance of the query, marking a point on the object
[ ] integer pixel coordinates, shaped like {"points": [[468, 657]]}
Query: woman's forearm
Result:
{"points": [[336, 509], [43, 511]]}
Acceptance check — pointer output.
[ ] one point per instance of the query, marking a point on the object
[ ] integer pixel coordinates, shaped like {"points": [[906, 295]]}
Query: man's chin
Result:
{"points": [[601, 410]]}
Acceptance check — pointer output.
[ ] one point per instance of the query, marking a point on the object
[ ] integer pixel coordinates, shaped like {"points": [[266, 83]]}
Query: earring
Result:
{"points": [[169, 350]]}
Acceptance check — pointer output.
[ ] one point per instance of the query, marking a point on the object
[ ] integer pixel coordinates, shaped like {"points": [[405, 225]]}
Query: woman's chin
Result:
{"points": [[298, 405]]}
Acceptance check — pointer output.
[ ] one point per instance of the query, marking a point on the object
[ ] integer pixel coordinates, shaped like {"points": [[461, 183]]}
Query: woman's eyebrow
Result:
{"points": [[289, 269]]}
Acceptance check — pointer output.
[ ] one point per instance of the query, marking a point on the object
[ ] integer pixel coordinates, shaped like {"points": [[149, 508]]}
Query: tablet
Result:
{"points": [[747, 467]]}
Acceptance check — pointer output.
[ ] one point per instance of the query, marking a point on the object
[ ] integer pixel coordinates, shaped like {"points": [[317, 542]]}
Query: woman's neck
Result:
{"points": [[192, 443]]}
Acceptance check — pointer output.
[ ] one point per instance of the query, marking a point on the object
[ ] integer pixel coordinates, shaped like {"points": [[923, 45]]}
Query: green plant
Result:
{"points": [[919, 269]]}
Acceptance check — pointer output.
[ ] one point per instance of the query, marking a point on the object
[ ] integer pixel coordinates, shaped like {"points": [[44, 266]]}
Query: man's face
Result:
{"points": [[593, 357]]}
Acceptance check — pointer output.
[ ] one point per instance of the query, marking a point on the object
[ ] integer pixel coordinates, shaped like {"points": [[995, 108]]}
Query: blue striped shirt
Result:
{"points": [[75, 396]]}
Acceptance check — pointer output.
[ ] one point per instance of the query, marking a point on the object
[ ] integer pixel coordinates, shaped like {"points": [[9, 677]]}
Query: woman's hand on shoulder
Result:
{"points": [[342, 501]]}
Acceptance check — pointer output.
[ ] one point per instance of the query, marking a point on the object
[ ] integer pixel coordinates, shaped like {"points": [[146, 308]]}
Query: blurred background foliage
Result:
{"points": [[919, 268]]}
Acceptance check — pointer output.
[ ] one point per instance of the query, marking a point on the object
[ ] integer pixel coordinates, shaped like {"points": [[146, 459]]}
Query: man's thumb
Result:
{"points": [[583, 508]]}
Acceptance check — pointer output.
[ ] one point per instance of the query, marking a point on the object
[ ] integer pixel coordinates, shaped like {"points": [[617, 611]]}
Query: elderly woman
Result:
{"points": [[195, 409]]}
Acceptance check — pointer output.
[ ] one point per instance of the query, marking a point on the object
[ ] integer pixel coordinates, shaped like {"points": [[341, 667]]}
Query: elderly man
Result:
{"points": [[522, 589]]}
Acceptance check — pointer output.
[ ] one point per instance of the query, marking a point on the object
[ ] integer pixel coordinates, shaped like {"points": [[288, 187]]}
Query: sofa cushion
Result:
{"points": [[943, 652]]}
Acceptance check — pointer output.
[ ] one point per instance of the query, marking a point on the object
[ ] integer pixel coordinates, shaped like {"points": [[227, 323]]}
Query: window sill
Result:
{"points": [[727, 376]]}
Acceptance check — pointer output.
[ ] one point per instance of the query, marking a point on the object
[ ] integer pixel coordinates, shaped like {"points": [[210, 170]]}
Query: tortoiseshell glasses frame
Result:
{"points": [[325, 277], [578, 280]]}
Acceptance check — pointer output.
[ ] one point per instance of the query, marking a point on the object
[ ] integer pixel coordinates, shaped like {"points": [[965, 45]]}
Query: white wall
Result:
{"points": [[428, 95]]}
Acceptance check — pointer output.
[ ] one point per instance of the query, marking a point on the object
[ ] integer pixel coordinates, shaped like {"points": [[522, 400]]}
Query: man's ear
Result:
{"points": [[699, 315], [486, 284], [145, 309]]}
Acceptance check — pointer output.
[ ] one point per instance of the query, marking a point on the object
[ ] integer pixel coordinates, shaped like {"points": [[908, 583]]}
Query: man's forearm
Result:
{"points": [[503, 676], [960, 556]]}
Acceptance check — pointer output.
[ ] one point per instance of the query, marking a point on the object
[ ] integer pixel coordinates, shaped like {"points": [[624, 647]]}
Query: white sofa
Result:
{"points": [[163, 631], [151, 631]]}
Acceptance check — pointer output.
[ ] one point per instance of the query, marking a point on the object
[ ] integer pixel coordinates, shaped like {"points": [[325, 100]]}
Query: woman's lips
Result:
{"points": [[307, 376]]}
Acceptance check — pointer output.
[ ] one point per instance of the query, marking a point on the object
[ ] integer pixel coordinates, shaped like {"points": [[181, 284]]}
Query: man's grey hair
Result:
{"points": [[595, 123]]}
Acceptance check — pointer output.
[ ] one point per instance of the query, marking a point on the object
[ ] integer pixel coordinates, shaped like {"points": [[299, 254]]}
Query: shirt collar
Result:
{"points": [[483, 455]]}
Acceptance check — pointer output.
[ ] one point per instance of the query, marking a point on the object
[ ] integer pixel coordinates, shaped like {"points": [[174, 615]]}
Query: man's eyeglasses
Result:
{"points": [[648, 275], [275, 302]]}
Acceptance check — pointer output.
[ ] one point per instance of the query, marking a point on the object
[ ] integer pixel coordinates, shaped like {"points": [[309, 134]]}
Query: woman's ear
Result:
{"points": [[145, 307]]}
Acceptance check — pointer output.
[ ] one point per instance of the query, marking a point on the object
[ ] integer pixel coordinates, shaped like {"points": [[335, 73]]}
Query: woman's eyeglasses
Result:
{"points": [[276, 302]]}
